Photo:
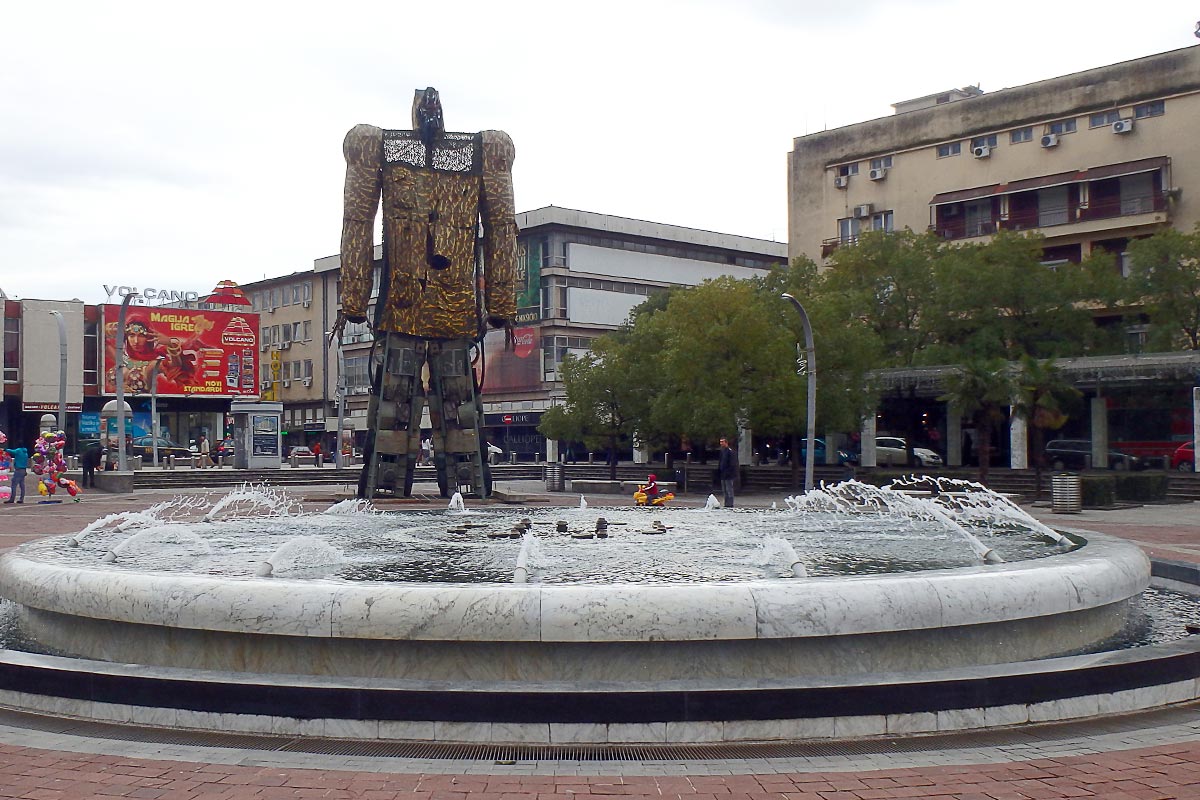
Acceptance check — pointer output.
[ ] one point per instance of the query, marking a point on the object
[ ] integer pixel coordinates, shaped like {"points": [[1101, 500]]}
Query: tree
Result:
{"points": [[998, 300], [600, 401], [1165, 281], [1044, 399], [982, 391]]}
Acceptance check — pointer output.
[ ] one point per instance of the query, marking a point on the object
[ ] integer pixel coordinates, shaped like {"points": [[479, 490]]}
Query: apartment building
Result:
{"points": [[1090, 160]]}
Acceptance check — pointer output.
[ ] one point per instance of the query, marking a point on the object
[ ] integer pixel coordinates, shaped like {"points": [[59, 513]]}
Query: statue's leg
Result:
{"points": [[393, 416], [456, 413]]}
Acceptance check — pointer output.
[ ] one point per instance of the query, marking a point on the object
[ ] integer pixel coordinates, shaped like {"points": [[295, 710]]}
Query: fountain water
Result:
{"points": [[773, 546], [456, 503], [712, 503], [260, 498]]}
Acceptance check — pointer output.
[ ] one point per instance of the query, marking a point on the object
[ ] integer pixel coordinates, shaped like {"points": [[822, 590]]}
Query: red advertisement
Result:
{"points": [[209, 353], [519, 369]]}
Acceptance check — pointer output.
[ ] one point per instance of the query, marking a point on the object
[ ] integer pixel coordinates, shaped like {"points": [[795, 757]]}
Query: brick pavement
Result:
{"points": [[1167, 771]]}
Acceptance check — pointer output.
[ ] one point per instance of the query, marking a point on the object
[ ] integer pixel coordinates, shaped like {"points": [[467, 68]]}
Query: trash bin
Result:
{"points": [[554, 478], [1066, 494]]}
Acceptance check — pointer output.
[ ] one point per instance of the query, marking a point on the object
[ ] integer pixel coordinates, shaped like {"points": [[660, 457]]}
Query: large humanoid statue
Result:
{"points": [[441, 287]]}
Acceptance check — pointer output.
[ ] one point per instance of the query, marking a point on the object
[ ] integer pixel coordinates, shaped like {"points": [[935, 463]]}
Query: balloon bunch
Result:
{"points": [[4, 464], [49, 463]]}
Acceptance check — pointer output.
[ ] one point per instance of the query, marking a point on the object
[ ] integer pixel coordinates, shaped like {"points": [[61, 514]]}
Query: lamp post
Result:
{"points": [[338, 458], [62, 370], [807, 365], [153, 378], [122, 464]]}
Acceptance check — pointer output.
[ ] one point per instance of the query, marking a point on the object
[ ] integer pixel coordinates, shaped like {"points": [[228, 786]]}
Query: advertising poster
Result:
{"points": [[264, 428], [200, 353], [519, 369]]}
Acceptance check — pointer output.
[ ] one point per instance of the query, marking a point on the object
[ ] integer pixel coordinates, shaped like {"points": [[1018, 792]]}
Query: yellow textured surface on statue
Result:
{"points": [[441, 286], [437, 188]]}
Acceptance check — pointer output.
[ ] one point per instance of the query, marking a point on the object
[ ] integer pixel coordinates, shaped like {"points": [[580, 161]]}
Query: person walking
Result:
{"points": [[20, 465], [727, 469], [205, 452], [89, 461]]}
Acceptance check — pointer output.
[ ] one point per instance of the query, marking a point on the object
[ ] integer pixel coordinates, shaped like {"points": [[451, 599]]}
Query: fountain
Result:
{"points": [[578, 627]]}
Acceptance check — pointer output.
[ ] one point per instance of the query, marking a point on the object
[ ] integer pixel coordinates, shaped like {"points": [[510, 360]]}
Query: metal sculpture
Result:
{"points": [[449, 259]]}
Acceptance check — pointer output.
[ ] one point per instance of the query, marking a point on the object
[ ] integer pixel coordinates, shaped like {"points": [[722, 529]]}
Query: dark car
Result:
{"points": [[144, 446], [1184, 457], [819, 452], [1076, 454]]}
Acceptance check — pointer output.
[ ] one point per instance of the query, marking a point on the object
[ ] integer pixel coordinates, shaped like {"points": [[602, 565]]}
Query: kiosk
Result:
{"points": [[258, 443]]}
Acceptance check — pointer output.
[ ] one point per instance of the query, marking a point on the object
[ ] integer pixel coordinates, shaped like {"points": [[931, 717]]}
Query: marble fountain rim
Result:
{"points": [[1103, 571]]}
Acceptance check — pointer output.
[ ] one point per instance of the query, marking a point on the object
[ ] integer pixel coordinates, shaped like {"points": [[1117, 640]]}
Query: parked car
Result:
{"points": [[819, 452], [893, 451], [1184, 457], [300, 450], [1076, 454], [144, 446]]}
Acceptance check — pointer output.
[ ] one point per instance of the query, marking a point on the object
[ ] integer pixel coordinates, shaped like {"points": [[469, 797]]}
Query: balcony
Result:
{"points": [[1130, 209]]}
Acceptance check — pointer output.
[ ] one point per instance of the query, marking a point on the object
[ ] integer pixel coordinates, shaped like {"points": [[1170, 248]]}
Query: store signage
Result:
{"points": [[524, 418], [150, 293], [52, 407]]}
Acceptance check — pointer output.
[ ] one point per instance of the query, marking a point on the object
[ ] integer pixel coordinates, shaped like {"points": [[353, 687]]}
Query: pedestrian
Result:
{"points": [[205, 452], [727, 469], [20, 465], [89, 461], [316, 450], [426, 452]]}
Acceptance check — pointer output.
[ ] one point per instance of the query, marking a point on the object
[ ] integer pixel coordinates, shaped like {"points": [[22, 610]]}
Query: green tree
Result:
{"points": [[998, 300], [1165, 281], [981, 390]]}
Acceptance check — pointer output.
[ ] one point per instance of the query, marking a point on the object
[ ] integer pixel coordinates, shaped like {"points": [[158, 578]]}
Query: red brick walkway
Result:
{"points": [[1159, 773]]}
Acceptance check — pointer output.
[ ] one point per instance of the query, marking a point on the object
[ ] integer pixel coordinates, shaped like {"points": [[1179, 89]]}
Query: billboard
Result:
{"points": [[200, 353], [519, 369]]}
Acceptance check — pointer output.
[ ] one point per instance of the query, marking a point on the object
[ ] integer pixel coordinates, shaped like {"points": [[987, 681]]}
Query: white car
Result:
{"points": [[892, 451]]}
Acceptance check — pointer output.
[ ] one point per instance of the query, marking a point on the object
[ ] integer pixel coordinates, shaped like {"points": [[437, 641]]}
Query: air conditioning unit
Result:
{"points": [[271, 310], [877, 174], [308, 381], [307, 302], [285, 345], [265, 384], [286, 384], [860, 212], [1122, 126], [265, 345], [841, 181], [982, 151], [1050, 140]]}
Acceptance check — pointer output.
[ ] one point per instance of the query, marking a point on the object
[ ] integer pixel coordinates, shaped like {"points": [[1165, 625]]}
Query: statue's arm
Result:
{"points": [[499, 216], [363, 149]]}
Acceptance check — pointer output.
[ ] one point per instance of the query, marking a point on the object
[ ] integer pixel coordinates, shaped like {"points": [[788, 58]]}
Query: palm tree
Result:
{"points": [[1043, 399], [982, 390]]}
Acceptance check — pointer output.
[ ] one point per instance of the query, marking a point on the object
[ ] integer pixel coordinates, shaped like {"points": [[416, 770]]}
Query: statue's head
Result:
{"points": [[427, 115]]}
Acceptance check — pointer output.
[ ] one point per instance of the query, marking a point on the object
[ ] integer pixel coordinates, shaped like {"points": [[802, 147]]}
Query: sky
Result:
{"points": [[173, 145]]}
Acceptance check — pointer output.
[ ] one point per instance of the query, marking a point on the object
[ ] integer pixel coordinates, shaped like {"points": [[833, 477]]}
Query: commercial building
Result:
{"points": [[1090, 160]]}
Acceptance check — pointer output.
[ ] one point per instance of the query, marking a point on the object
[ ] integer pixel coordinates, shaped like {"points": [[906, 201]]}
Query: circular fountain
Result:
{"points": [[544, 625]]}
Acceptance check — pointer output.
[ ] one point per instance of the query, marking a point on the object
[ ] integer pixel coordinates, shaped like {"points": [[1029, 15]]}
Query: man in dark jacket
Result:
{"points": [[727, 470], [89, 461]]}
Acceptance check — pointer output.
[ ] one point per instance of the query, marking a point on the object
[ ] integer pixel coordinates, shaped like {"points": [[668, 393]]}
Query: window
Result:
{"points": [[978, 218], [881, 163], [356, 373], [947, 150], [984, 141], [1104, 118], [12, 349], [1020, 135], [848, 169], [287, 370], [882, 221], [848, 230], [256, 301], [1143, 110], [275, 338], [276, 298], [308, 291], [296, 330], [308, 367], [91, 353], [296, 294], [1061, 127], [308, 330]]}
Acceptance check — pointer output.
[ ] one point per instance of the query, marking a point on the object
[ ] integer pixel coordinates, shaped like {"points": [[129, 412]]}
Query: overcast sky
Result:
{"points": [[174, 145]]}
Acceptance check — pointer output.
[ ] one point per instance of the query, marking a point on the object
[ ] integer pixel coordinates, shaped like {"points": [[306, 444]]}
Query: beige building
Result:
{"points": [[1090, 160]]}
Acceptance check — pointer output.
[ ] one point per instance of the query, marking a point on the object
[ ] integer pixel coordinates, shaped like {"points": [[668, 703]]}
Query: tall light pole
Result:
{"points": [[808, 365], [62, 370], [154, 369], [120, 377], [338, 458]]}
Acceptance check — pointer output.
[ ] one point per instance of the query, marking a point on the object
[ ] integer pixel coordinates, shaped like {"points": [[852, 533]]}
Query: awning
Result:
{"points": [[1057, 179]]}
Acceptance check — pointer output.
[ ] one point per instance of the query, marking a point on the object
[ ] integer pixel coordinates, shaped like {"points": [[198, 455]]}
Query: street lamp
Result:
{"points": [[338, 458], [62, 370], [120, 376], [807, 365], [154, 370]]}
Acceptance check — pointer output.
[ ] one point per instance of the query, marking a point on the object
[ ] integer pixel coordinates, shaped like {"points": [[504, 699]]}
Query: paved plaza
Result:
{"points": [[1145, 756]]}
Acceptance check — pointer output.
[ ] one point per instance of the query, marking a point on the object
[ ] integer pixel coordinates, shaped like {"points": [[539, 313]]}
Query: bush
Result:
{"points": [[1141, 487], [1099, 491]]}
